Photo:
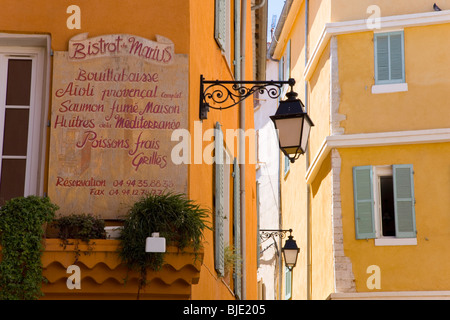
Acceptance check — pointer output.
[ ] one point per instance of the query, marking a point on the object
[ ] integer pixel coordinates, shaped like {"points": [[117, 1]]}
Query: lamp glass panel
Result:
{"points": [[290, 256], [305, 134], [289, 131]]}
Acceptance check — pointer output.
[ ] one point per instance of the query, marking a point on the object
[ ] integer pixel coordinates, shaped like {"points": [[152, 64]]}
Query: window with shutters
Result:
{"points": [[384, 204], [219, 197], [222, 26], [21, 78], [227, 220], [287, 165], [287, 284], [389, 62]]}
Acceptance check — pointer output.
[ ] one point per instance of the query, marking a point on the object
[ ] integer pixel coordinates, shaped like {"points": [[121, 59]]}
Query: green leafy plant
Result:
{"points": [[21, 233], [83, 227], [231, 260], [175, 217], [80, 226]]}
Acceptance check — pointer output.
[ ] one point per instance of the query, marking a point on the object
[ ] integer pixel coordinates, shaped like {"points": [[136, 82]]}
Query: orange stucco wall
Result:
{"points": [[143, 18], [207, 59], [190, 25]]}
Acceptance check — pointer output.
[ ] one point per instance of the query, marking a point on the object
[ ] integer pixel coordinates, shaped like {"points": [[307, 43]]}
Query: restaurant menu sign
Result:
{"points": [[116, 101]]}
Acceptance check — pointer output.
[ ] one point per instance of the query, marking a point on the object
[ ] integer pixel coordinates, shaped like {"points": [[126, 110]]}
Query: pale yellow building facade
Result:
{"points": [[369, 202]]}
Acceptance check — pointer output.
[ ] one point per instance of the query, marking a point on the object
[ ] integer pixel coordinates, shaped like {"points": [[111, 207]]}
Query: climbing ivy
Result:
{"points": [[21, 234]]}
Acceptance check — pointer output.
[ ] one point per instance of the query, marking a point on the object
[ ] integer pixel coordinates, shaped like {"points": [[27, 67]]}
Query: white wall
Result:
{"points": [[267, 176]]}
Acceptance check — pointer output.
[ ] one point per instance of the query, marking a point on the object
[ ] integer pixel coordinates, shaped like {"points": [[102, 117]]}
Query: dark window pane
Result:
{"points": [[16, 132], [12, 179], [19, 82], [387, 206]]}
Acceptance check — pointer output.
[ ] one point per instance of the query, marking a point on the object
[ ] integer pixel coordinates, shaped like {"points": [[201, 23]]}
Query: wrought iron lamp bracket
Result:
{"points": [[272, 233], [228, 94]]}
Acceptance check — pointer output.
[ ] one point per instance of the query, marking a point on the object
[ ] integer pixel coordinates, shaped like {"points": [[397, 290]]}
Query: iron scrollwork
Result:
{"points": [[220, 92], [270, 233]]}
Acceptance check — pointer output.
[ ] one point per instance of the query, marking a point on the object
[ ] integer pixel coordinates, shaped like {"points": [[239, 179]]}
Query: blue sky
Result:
{"points": [[275, 8]]}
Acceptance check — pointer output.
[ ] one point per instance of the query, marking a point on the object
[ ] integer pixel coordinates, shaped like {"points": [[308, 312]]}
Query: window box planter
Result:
{"points": [[102, 275]]}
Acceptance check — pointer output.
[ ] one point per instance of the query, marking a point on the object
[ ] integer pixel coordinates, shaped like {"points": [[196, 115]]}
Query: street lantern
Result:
{"points": [[290, 252], [291, 120], [293, 125]]}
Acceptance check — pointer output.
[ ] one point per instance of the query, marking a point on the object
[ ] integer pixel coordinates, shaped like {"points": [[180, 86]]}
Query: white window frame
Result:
{"points": [[380, 240], [36, 48], [389, 86]]}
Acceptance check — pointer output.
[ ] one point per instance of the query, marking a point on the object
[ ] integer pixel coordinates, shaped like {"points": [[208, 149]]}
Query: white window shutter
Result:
{"points": [[219, 246], [405, 221], [364, 202], [220, 23]]}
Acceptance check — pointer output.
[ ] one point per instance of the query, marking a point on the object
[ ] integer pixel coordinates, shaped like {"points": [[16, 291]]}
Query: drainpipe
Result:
{"points": [[237, 40], [308, 188], [242, 153]]}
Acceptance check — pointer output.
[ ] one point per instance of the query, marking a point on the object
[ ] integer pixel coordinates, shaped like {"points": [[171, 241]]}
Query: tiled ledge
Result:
{"points": [[104, 276]]}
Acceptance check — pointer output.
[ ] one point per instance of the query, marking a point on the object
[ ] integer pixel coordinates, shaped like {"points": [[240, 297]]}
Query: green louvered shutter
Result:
{"points": [[220, 25], [405, 221], [396, 56], [364, 203], [382, 58], [219, 261], [237, 227], [389, 58]]}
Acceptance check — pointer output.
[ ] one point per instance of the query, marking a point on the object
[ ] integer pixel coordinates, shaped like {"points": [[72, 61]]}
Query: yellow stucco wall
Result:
{"points": [[322, 234], [293, 211], [322, 280], [319, 14], [343, 10], [293, 195], [419, 267], [426, 73], [423, 106], [319, 102], [319, 270]]}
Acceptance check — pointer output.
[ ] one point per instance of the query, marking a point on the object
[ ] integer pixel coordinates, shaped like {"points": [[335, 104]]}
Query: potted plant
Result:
{"points": [[173, 216], [80, 226], [76, 228]]}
